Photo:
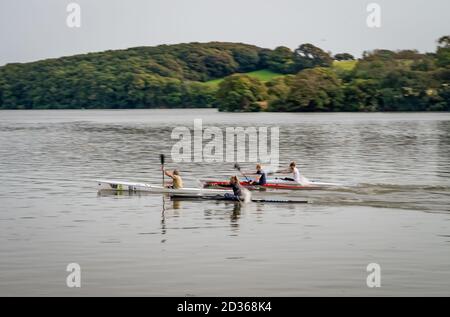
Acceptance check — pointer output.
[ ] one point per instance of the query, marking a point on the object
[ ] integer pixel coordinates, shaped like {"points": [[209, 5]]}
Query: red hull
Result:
{"points": [[268, 185]]}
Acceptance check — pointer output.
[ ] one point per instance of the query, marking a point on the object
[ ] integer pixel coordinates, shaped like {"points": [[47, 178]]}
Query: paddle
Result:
{"points": [[222, 198], [236, 166], [162, 158]]}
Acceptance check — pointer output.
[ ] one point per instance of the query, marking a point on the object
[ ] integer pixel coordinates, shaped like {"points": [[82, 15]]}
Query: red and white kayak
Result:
{"points": [[271, 184]]}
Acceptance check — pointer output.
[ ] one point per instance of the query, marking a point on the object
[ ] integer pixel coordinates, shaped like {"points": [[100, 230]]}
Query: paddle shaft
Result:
{"points": [[236, 166], [223, 198], [162, 158]]}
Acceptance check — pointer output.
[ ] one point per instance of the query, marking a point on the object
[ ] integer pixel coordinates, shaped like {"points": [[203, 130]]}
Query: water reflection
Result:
{"points": [[172, 208], [234, 212], [163, 219]]}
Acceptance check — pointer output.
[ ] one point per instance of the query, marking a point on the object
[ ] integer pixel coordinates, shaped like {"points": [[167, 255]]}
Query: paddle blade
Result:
{"points": [[162, 157], [236, 166]]}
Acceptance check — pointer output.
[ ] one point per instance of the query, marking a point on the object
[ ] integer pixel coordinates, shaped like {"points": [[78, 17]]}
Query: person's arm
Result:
{"points": [[257, 177], [249, 172], [252, 175], [168, 174]]}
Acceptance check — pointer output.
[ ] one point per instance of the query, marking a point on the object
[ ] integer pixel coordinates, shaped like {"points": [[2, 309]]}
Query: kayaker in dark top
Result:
{"points": [[237, 189], [262, 180], [261, 176]]}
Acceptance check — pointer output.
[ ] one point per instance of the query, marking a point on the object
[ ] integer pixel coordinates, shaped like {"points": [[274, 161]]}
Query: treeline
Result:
{"points": [[176, 76], [143, 77], [381, 80]]}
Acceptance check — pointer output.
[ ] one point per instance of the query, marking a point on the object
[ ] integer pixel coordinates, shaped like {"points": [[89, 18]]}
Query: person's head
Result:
{"points": [[176, 172], [292, 165], [234, 180], [258, 167]]}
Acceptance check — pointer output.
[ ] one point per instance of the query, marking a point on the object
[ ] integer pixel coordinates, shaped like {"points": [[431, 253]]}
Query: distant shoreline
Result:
{"points": [[233, 77], [215, 110]]}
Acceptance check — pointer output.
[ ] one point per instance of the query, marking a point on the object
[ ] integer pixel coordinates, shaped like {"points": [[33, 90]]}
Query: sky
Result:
{"points": [[32, 30]]}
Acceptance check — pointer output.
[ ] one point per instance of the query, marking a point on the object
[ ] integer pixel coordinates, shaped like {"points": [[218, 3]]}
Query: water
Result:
{"points": [[395, 210]]}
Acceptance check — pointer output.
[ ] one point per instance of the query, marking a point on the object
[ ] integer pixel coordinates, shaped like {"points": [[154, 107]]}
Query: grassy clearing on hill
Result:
{"points": [[263, 75], [344, 65]]}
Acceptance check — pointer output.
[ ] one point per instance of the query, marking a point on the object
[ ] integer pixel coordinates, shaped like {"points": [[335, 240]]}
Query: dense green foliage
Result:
{"points": [[285, 61], [397, 81], [233, 77], [344, 57], [162, 76], [316, 89], [241, 93]]}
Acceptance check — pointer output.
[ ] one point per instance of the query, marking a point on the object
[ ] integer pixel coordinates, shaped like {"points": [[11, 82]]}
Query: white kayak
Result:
{"points": [[117, 185]]}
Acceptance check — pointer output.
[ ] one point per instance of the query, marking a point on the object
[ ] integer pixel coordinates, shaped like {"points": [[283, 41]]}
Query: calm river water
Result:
{"points": [[394, 209]]}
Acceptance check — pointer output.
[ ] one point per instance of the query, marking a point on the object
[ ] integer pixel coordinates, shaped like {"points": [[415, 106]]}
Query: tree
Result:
{"points": [[241, 93], [344, 57], [309, 56], [220, 64], [425, 64], [443, 52], [315, 89], [444, 41], [281, 60], [410, 55], [247, 58], [279, 87], [443, 99], [380, 54], [361, 95]]}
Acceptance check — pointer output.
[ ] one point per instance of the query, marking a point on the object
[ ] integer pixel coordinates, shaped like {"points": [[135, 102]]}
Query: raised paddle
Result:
{"points": [[162, 157], [238, 167]]}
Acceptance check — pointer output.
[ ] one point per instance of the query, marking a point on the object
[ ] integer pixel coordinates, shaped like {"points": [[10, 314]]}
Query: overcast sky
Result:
{"points": [[36, 29]]}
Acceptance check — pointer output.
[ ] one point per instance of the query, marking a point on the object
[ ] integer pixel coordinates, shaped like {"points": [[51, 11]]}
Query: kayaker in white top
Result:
{"points": [[296, 176]]}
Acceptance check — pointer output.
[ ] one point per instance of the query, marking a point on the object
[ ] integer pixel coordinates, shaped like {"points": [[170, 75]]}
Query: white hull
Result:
{"points": [[307, 183], [115, 185]]}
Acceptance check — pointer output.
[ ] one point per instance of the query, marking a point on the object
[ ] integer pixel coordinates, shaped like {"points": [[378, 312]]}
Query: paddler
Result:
{"points": [[177, 182], [238, 191], [262, 179], [296, 176]]}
